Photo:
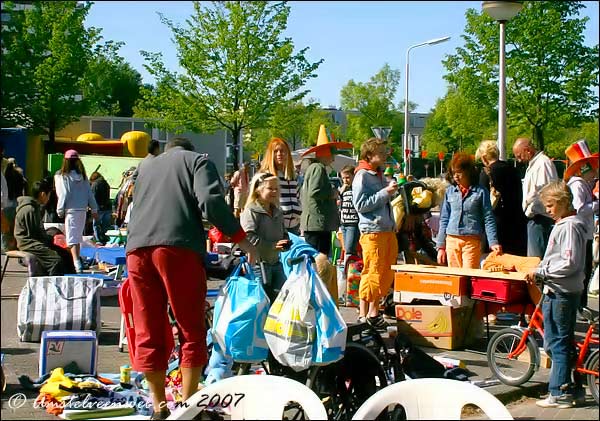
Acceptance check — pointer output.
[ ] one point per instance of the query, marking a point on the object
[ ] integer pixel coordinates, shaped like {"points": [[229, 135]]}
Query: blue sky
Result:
{"points": [[356, 38]]}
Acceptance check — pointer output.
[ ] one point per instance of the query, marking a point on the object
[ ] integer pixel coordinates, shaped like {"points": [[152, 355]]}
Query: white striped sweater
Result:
{"points": [[289, 202]]}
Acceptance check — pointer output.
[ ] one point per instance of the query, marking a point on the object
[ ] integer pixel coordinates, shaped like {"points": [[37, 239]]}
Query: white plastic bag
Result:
{"points": [[290, 325], [304, 326]]}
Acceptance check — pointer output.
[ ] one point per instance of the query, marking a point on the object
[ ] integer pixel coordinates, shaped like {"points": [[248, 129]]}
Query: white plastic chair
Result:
{"points": [[253, 397], [432, 399]]}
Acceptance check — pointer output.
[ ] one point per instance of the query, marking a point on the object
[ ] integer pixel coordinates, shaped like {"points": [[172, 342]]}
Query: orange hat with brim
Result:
{"points": [[324, 147], [580, 157]]}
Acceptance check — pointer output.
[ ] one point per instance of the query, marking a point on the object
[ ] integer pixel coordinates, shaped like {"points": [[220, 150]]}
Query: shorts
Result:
{"points": [[380, 251], [74, 226]]}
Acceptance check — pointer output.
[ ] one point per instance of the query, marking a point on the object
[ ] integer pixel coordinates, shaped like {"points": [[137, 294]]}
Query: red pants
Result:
{"points": [[157, 275]]}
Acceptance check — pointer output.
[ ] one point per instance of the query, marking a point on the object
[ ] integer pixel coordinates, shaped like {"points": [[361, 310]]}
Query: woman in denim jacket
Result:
{"points": [[465, 214]]}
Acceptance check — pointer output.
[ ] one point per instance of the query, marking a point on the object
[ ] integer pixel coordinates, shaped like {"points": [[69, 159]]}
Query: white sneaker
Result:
{"points": [[559, 402]]}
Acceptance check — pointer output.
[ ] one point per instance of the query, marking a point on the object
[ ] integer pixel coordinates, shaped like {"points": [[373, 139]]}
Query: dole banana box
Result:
{"points": [[432, 283], [438, 326]]}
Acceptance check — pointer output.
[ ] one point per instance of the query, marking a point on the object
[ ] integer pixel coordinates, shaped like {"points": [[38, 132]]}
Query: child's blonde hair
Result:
{"points": [[257, 181], [370, 148], [559, 191]]}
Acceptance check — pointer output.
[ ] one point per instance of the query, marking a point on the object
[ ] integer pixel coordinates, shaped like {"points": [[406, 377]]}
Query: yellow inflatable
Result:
{"points": [[137, 143], [89, 137]]}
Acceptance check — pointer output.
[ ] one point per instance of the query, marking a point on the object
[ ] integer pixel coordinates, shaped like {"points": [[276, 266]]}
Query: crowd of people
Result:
{"points": [[172, 193]]}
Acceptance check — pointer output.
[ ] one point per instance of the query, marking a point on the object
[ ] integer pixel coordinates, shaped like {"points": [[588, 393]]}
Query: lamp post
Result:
{"points": [[502, 12], [406, 145]]}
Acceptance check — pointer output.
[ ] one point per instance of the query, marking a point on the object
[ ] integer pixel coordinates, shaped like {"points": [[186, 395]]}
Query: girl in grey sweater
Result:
{"points": [[263, 222]]}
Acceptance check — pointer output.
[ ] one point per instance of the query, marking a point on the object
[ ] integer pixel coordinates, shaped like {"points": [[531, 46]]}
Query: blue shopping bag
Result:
{"points": [[239, 316], [331, 329]]}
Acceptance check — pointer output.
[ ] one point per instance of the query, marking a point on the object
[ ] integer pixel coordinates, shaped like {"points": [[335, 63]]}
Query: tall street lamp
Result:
{"points": [[406, 146], [502, 12]]}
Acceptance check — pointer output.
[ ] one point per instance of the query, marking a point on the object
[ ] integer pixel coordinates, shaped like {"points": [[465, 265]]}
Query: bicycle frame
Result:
{"points": [[583, 351], [536, 324]]}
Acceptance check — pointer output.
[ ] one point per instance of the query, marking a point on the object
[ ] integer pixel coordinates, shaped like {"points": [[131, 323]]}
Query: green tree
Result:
{"points": [[374, 103], [112, 85], [550, 72], [45, 55], [458, 124], [237, 67], [289, 121]]}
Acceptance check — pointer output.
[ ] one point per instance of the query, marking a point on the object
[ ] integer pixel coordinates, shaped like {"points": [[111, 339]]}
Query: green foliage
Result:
{"points": [[550, 72], [46, 50], [237, 68], [112, 85], [458, 123], [374, 103]]}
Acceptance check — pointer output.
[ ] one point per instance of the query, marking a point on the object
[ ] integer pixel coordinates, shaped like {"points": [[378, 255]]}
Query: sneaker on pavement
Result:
{"points": [[378, 323], [361, 319], [560, 402]]}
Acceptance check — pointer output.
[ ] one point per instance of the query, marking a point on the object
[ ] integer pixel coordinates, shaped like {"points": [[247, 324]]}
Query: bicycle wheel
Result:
{"points": [[592, 379], [514, 371], [345, 385]]}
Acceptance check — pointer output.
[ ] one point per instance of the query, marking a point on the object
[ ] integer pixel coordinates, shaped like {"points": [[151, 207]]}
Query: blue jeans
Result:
{"points": [[101, 225], [538, 232], [560, 312], [275, 278], [350, 234]]}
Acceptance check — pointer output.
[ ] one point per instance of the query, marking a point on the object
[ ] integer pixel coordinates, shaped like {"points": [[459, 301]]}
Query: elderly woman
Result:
{"points": [[504, 179], [465, 215]]}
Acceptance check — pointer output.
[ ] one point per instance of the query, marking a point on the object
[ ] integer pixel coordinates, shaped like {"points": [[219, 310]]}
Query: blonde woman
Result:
{"points": [[263, 222], [504, 178], [278, 161]]}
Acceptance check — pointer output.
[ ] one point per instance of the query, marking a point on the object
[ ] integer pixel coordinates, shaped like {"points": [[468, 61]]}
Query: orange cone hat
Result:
{"points": [[324, 146]]}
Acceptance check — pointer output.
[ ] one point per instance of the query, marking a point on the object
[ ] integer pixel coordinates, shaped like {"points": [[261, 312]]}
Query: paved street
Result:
{"points": [[22, 358]]}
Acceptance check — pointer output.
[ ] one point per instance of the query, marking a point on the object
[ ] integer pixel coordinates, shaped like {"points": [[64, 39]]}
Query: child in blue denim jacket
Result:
{"points": [[466, 213]]}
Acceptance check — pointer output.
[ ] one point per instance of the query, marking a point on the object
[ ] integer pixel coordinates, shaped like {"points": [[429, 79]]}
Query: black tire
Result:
{"points": [[513, 372], [345, 385], [592, 380]]}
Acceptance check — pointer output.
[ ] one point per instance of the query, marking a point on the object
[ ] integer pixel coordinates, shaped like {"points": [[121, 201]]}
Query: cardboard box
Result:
{"points": [[407, 297], [438, 326], [61, 347], [431, 283], [545, 360]]}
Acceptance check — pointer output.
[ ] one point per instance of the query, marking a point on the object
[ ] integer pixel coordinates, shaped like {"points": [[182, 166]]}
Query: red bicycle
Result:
{"points": [[513, 354]]}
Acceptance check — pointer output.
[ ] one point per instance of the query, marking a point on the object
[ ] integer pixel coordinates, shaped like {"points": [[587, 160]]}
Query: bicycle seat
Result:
{"points": [[588, 314]]}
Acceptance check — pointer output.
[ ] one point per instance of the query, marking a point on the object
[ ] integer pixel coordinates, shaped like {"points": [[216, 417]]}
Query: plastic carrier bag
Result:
{"points": [[239, 316], [304, 327]]}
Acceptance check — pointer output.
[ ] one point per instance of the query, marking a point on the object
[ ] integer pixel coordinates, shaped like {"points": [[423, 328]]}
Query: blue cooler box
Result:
{"points": [[61, 347]]}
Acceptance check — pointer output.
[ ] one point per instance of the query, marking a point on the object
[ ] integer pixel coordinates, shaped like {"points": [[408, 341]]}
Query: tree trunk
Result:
{"points": [[51, 137], [236, 140], [538, 137]]}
